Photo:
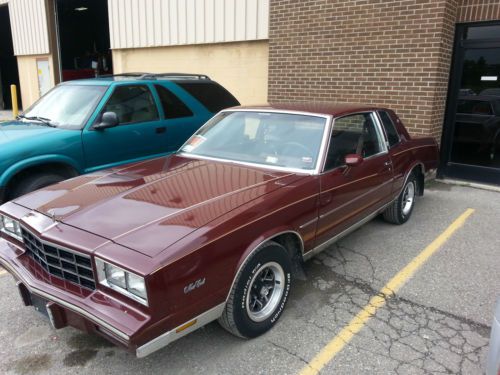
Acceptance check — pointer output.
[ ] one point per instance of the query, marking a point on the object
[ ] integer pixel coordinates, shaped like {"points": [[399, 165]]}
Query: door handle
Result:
{"points": [[160, 130]]}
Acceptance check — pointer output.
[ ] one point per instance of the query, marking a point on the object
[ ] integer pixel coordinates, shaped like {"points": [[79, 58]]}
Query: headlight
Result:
{"points": [[11, 227], [124, 282]]}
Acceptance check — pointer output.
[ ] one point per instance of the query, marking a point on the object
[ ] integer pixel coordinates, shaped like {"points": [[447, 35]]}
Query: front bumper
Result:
{"points": [[95, 313]]}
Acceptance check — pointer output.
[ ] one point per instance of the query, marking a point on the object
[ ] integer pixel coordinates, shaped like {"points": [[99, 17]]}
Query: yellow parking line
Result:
{"points": [[360, 320]]}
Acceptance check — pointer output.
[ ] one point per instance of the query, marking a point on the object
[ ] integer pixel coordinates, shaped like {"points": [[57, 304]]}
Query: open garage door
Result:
{"points": [[83, 31], [8, 64]]}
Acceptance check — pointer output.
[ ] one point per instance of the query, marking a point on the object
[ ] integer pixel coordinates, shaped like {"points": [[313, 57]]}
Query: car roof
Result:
{"points": [[329, 109], [107, 80]]}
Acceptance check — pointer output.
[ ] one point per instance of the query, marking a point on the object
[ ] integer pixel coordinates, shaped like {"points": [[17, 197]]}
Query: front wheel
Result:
{"points": [[260, 292], [400, 210]]}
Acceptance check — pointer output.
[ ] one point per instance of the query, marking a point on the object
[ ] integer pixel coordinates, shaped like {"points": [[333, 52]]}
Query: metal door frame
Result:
{"points": [[448, 168]]}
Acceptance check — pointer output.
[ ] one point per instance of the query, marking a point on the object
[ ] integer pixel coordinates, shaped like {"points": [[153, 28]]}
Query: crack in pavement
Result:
{"points": [[411, 337]]}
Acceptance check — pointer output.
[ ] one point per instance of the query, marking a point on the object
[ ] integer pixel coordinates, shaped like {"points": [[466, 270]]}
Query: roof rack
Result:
{"points": [[158, 75]]}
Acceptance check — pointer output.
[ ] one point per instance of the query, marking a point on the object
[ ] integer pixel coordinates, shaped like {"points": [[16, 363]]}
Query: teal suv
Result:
{"points": [[86, 125]]}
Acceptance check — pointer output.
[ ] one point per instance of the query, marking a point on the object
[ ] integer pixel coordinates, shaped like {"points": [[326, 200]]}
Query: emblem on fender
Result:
{"points": [[194, 285]]}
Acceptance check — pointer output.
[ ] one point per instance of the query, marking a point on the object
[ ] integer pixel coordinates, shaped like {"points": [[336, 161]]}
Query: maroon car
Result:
{"points": [[149, 252]]}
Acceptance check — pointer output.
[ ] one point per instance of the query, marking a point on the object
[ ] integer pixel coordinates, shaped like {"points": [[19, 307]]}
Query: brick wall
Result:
{"points": [[392, 53], [478, 10]]}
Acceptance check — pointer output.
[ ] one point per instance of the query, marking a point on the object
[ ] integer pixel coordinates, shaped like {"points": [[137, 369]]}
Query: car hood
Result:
{"points": [[12, 131], [149, 206]]}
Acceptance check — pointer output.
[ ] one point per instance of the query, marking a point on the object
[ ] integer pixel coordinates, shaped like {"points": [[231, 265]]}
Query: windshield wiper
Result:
{"points": [[44, 120]]}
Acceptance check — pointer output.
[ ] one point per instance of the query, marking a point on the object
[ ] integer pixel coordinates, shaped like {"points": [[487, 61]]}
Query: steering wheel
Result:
{"points": [[297, 149]]}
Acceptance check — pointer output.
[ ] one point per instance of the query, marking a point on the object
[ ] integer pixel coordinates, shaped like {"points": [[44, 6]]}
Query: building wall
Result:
{"points": [[478, 10], [241, 67], [153, 23], [28, 19], [391, 53], [28, 77]]}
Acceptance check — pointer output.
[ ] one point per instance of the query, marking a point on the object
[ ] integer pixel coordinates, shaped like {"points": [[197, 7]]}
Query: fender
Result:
{"points": [[408, 173], [263, 238], [37, 160]]}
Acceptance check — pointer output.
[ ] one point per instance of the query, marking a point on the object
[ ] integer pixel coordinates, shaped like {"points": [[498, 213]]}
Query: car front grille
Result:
{"points": [[65, 264]]}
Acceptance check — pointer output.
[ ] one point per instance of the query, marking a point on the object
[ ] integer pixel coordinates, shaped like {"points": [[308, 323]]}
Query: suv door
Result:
{"points": [[350, 194], [139, 134], [181, 120]]}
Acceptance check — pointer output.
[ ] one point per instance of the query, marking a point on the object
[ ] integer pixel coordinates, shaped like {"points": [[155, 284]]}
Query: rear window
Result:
{"points": [[474, 107], [212, 95]]}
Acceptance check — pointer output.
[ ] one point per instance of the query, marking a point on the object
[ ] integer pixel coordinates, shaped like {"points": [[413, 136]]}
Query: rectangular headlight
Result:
{"points": [[124, 282], [10, 227]]}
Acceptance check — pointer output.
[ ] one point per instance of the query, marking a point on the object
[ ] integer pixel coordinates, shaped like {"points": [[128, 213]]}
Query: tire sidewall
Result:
{"points": [[404, 218], [36, 182], [269, 253]]}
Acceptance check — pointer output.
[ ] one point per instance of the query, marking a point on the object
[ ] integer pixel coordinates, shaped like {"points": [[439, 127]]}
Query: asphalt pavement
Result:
{"points": [[438, 322]]}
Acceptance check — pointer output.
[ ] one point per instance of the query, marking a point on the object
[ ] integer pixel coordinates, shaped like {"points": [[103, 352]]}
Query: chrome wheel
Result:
{"points": [[265, 291], [408, 198]]}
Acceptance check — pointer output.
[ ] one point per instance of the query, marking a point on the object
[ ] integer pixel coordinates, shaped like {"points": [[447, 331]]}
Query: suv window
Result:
{"points": [[173, 107], [390, 129], [132, 103], [212, 95], [352, 134]]}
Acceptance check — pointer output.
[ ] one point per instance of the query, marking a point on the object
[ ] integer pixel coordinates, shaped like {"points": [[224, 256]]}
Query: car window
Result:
{"points": [[212, 95], [173, 107], [390, 129], [474, 107], [275, 139], [132, 104], [353, 134]]}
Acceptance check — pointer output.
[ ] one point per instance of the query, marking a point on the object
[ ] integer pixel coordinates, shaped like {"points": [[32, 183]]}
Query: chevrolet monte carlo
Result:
{"points": [[148, 252]]}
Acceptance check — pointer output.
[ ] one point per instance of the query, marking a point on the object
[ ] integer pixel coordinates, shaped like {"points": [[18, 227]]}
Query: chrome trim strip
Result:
{"points": [[172, 335], [308, 223], [355, 199], [412, 148], [342, 234], [67, 305], [259, 245]]}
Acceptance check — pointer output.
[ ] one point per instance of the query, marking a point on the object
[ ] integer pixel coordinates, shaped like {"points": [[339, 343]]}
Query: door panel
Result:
{"points": [[348, 194], [139, 134]]}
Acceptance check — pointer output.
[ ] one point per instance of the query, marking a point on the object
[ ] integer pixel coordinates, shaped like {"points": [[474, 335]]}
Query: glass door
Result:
{"points": [[471, 141]]}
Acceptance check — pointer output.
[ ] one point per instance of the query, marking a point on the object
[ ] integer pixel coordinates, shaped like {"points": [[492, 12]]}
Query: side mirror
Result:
{"points": [[353, 160], [108, 120]]}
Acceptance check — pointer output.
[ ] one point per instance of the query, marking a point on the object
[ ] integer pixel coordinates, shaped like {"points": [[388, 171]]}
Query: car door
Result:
{"points": [[139, 134], [349, 194], [182, 117]]}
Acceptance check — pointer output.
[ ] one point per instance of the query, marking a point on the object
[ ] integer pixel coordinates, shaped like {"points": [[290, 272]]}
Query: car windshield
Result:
{"points": [[283, 140], [65, 106]]}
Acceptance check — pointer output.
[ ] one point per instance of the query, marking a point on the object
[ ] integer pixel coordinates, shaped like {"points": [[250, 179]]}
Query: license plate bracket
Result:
{"points": [[40, 305]]}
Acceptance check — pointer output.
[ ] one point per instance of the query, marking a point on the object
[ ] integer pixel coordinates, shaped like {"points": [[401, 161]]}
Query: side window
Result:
{"points": [[133, 103], [212, 95], [390, 129], [173, 107], [352, 134]]}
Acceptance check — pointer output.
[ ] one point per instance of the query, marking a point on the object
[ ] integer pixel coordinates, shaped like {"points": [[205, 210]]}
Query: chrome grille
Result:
{"points": [[68, 265]]}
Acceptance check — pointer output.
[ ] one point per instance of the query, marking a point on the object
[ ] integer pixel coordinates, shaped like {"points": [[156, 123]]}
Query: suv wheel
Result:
{"points": [[34, 182]]}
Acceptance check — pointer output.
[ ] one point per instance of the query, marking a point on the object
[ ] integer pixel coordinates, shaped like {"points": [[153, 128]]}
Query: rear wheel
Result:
{"points": [[34, 182], [260, 292], [400, 210]]}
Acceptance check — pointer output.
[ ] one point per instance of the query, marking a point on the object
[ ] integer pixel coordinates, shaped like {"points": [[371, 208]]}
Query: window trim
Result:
{"points": [[383, 129], [99, 116], [378, 128]]}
